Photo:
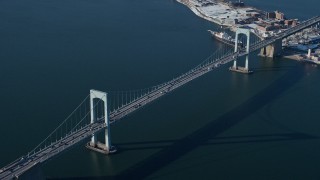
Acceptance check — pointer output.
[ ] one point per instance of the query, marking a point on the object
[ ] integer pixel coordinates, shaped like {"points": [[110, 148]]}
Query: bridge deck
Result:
{"points": [[22, 164]]}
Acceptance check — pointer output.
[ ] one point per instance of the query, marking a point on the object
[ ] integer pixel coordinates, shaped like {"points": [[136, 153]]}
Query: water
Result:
{"points": [[223, 125]]}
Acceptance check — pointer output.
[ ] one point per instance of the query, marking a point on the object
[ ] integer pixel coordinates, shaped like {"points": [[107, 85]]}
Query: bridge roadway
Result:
{"points": [[24, 163], [187, 77], [21, 165]]}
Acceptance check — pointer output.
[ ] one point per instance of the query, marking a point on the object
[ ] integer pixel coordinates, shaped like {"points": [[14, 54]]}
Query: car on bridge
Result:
{"points": [[137, 105]]}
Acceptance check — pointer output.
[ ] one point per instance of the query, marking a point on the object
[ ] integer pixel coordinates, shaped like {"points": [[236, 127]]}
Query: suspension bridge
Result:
{"points": [[99, 110]]}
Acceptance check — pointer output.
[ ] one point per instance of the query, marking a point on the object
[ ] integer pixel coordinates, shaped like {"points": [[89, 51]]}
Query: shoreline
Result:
{"points": [[196, 11], [226, 15], [298, 56], [195, 8]]}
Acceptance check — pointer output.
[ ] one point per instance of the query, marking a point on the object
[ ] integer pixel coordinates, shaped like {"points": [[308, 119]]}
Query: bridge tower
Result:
{"points": [[272, 50], [236, 68], [105, 148]]}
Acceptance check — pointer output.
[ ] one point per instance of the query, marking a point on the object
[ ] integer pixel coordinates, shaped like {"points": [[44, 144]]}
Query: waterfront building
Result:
{"points": [[271, 15], [279, 15], [276, 15]]}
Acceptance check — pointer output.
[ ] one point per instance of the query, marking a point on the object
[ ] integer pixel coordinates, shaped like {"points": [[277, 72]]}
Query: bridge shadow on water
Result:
{"points": [[259, 138], [171, 150], [273, 69]]}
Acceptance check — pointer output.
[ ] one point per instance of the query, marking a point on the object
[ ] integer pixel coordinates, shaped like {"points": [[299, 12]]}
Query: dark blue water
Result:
{"points": [[220, 126]]}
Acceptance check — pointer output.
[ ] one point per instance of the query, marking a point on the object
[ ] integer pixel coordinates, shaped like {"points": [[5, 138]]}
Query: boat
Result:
{"points": [[223, 37]]}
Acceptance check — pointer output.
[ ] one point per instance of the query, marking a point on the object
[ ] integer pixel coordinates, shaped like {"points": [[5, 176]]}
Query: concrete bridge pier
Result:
{"points": [[234, 64], [236, 68], [247, 63], [272, 50], [105, 148]]}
